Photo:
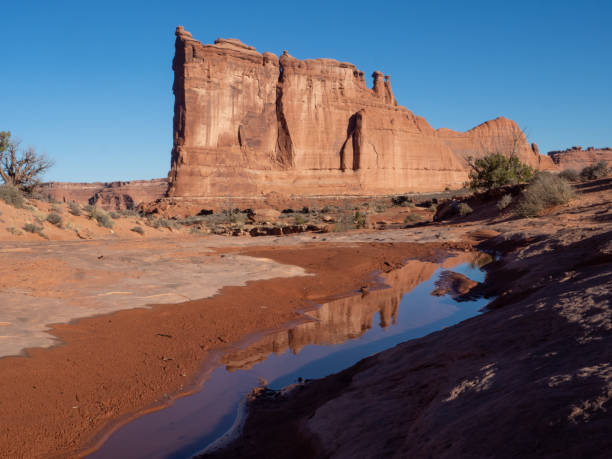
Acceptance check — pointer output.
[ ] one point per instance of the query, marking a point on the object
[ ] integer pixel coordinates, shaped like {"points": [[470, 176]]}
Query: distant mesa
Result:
{"points": [[577, 158], [108, 195]]}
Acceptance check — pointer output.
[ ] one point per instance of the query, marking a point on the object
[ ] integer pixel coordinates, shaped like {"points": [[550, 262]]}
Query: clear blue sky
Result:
{"points": [[89, 82]]}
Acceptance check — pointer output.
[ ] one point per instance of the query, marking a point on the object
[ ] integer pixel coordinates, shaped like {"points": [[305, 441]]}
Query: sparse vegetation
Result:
{"points": [[14, 231], [464, 209], [138, 229], [12, 196], [571, 175], [55, 219], [99, 215], [596, 171], [74, 209], [360, 219], [496, 170], [504, 202], [162, 223], [34, 228], [21, 168], [413, 218], [114, 215], [545, 190]]}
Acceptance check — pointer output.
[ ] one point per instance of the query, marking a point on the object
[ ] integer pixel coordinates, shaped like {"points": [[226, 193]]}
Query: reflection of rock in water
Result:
{"points": [[339, 320], [454, 284]]}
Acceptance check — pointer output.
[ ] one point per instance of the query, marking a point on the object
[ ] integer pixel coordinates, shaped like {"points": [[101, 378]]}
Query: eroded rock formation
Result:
{"points": [[247, 124], [111, 195], [577, 158]]}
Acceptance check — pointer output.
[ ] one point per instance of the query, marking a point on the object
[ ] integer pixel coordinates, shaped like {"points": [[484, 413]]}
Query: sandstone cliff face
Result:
{"points": [[577, 158], [110, 196], [248, 124]]}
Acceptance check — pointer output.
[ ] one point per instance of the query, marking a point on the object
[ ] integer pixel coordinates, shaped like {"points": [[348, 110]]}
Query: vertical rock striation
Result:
{"points": [[247, 124]]}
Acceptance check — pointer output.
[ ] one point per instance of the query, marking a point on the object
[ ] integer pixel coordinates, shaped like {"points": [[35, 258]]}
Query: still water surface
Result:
{"points": [[341, 333]]}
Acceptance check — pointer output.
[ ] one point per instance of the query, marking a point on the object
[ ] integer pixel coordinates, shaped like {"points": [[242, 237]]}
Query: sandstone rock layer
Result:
{"points": [[577, 158], [248, 124], [109, 195]]}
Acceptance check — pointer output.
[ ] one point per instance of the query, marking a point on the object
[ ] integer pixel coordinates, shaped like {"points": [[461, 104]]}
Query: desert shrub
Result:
{"points": [[299, 219], [138, 229], [55, 219], [379, 209], [162, 223], [402, 200], [496, 170], [34, 228], [360, 219], [74, 209], [56, 209], [504, 202], [545, 190], [413, 218], [12, 196], [99, 215], [114, 215], [571, 175], [153, 222], [464, 209], [129, 213], [193, 220], [15, 231], [596, 171], [195, 230], [105, 220]]}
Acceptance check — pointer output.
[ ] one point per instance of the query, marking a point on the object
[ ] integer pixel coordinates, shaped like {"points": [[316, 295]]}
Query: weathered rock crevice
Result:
{"points": [[284, 145]]}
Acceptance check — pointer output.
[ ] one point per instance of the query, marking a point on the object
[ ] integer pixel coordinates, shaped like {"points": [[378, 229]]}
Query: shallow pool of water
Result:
{"points": [[339, 334]]}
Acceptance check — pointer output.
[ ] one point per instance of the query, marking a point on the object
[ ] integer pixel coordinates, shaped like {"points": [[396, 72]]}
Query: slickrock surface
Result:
{"points": [[577, 158], [110, 196], [531, 377], [247, 124]]}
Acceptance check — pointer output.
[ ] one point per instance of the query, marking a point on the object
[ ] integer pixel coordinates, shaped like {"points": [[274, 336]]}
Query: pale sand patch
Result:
{"points": [[121, 279]]}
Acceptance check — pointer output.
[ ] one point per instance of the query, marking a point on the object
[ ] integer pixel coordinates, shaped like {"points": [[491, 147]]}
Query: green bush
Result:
{"points": [[504, 202], [12, 196], [74, 209], [571, 175], [545, 190], [138, 229], [597, 171], [496, 170], [55, 219], [464, 209]]}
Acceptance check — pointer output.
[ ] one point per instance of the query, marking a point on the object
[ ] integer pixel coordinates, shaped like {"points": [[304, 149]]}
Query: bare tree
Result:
{"points": [[21, 168]]}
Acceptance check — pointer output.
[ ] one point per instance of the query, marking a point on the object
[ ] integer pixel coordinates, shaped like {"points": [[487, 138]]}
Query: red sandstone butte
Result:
{"points": [[247, 124]]}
